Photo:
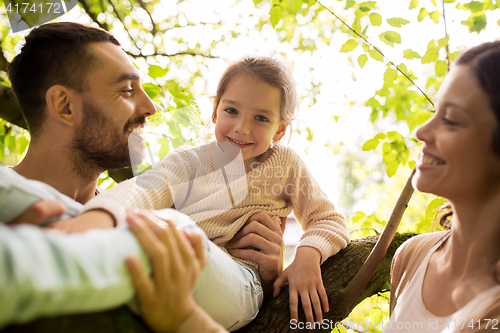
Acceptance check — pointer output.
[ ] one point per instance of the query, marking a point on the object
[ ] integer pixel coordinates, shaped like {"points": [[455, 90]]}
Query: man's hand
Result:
{"points": [[261, 241], [304, 277], [41, 211], [177, 257], [94, 219]]}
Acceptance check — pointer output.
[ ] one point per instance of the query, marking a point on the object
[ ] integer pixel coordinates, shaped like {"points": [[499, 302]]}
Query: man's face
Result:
{"points": [[112, 107]]}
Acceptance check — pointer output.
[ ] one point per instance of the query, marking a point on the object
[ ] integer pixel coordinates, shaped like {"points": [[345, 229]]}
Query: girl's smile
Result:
{"points": [[248, 115]]}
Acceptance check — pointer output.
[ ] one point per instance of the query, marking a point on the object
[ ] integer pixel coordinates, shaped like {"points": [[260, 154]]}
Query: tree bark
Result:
{"points": [[9, 107], [274, 315]]}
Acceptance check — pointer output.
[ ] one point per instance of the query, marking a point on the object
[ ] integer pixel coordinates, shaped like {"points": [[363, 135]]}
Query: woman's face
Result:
{"points": [[457, 160]]}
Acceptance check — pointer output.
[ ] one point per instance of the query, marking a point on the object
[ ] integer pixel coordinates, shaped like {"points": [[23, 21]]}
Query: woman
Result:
{"points": [[449, 281]]}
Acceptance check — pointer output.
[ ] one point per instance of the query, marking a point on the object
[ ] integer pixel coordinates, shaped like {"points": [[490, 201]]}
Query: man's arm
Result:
{"points": [[47, 273]]}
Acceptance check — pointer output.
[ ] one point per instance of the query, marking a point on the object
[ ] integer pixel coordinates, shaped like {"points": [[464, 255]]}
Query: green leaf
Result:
{"points": [[256, 2], [370, 144], [21, 144], [276, 13], [432, 208], [410, 54], [376, 55], [375, 19], [475, 6], [498, 22], [348, 46], [442, 42], [386, 148], [380, 136], [349, 4], [422, 14], [475, 22], [385, 40], [413, 4], [156, 71], [366, 47], [358, 217], [431, 54], [393, 37], [449, 1], [390, 75], [397, 22], [362, 59], [367, 5], [441, 68], [394, 136], [376, 315], [392, 167], [411, 164], [151, 89], [435, 16]]}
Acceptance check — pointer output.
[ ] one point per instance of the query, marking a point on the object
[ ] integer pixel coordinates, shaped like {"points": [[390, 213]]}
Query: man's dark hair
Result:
{"points": [[54, 53]]}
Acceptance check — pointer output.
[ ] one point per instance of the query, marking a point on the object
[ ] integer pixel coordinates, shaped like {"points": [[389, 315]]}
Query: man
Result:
{"points": [[81, 97]]}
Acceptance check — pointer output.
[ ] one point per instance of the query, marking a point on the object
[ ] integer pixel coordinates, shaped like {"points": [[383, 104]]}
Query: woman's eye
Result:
{"points": [[231, 111], [449, 122], [261, 118]]}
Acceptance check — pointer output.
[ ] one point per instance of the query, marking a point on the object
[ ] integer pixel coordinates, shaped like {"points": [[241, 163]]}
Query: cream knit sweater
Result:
{"points": [[220, 195]]}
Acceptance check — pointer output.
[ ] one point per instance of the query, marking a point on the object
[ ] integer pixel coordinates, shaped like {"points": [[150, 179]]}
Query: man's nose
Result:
{"points": [[145, 105]]}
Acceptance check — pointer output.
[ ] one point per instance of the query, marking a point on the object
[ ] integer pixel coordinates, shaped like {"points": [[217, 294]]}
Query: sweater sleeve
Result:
{"points": [[200, 321], [164, 186], [324, 228], [46, 273]]}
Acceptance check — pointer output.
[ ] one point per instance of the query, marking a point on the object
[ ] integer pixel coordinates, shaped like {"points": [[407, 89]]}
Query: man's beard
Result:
{"points": [[98, 145]]}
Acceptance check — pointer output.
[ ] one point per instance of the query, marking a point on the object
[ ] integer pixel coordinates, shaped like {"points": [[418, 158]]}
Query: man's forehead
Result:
{"points": [[114, 63]]}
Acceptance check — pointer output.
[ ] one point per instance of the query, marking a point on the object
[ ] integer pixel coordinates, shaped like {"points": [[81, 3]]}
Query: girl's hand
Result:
{"points": [[177, 257], [304, 279]]}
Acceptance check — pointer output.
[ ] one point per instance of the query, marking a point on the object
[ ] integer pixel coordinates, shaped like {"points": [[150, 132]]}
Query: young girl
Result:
{"points": [[220, 185]]}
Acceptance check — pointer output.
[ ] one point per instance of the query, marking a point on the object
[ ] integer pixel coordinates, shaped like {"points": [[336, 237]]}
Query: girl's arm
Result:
{"points": [[325, 233]]}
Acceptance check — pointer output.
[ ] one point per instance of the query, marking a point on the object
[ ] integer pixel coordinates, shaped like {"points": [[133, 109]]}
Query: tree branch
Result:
{"points": [[143, 6], [123, 23], [377, 49], [447, 47], [172, 55], [274, 315], [92, 15], [10, 110]]}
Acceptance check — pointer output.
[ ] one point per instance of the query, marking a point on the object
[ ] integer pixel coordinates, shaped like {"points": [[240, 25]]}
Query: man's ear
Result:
{"points": [[281, 131], [61, 102]]}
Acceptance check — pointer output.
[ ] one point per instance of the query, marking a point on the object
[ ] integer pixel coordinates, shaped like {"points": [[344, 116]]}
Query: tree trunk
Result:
{"points": [[10, 109], [274, 315]]}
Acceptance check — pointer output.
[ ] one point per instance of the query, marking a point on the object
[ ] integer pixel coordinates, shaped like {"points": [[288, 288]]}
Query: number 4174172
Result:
{"points": [[40, 8]]}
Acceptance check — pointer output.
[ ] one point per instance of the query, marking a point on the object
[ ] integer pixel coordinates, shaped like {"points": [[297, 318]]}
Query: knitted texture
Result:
{"points": [[220, 197]]}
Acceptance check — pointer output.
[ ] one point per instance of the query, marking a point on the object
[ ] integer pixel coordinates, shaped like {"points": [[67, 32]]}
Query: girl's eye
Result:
{"points": [[261, 118], [231, 111]]}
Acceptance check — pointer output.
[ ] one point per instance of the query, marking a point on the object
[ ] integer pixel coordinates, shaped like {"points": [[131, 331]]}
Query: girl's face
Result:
{"points": [[457, 160], [248, 115]]}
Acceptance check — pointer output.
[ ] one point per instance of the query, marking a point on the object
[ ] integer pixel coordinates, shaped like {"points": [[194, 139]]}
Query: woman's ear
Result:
{"points": [[60, 104], [281, 131]]}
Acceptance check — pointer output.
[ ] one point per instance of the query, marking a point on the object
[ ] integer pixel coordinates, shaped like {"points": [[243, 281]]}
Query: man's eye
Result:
{"points": [[231, 111], [128, 91], [261, 118]]}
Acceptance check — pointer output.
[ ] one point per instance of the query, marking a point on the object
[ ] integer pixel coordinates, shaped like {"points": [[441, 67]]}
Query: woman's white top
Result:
{"points": [[411, 315]]}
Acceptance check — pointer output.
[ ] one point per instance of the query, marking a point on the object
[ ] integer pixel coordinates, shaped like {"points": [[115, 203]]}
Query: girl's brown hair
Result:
{"points": [[269, 70]]}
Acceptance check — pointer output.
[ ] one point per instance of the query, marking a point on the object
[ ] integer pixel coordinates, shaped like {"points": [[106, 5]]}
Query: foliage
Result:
{"points": [[178, 49]]}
